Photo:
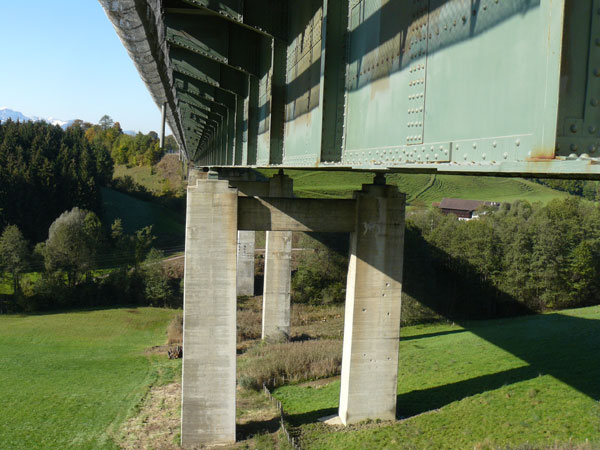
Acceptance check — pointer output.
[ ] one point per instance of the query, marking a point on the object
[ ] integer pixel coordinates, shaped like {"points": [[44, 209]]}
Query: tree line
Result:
{"points": [[140, 149], [45, 171], [519, 258], [69, 268], [588, 189]]}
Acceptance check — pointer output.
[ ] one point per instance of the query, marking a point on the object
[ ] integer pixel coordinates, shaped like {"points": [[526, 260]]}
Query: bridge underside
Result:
{"points": [[455, 86]]}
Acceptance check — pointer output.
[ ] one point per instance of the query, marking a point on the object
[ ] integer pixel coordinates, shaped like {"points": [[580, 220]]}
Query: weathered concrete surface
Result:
{"points": [[297, 214], [278, 270], [277, 287], [245, 263], [209, 330], [372, 317], [251, 188]]}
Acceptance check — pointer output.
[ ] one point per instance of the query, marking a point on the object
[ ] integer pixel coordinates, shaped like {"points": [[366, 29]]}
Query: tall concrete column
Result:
{"points": [[278, 270], [209, 329], [277, 288], [245, 263], [372, 317]]}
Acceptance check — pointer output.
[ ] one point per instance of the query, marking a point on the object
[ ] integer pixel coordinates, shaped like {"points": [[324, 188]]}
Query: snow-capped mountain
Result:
{"points": [[6, 113]]}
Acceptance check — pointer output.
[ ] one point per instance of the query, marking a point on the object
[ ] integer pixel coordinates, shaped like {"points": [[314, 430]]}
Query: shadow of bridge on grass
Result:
{"points": [[560, 345], [564, 347]]}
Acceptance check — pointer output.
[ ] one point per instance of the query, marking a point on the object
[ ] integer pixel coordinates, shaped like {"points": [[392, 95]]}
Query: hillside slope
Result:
{"points": [[166, 174], [421, 188], [168, 226]]}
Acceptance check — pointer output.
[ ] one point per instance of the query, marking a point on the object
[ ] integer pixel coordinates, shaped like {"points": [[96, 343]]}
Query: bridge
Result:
{"points": [[483, 87]]}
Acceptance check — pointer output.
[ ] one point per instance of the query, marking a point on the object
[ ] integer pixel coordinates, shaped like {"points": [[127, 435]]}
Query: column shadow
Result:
{"points": [[559, 345]]}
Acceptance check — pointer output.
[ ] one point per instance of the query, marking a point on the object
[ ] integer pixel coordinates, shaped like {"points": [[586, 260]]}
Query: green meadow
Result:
{"points": [[529, 382], [69, 380]]}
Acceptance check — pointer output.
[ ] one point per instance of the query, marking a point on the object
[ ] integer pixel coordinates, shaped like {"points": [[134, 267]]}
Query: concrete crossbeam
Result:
{"points": [[251, 188], [372, 317], [245, 263], [209, 330], [298, 214]]}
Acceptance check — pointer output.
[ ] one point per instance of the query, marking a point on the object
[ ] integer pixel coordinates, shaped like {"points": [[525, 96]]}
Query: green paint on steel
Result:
{"points": [[490, 87]]}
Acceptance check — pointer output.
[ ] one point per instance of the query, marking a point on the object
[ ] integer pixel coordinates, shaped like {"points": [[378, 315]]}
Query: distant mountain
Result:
{"points": [[6, 113]]}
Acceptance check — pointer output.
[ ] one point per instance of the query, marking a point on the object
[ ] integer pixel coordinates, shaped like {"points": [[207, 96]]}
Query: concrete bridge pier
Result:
{"points": [[245, 263], [372, 314], [215, 213], [209, 336], [278, 271]]}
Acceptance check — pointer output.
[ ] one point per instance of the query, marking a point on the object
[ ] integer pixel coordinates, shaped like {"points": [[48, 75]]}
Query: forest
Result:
{"points": [[515, 259], [51, 225]]}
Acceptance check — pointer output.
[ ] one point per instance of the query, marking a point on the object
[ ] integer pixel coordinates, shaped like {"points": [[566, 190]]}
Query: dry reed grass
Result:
{"points": [[290, 362], [249, 326]]}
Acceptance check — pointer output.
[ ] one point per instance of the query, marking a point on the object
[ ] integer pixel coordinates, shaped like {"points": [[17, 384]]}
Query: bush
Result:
{"points": [[158, 290], [320, 278], [121, 287], [275, 364], [175, 330]]}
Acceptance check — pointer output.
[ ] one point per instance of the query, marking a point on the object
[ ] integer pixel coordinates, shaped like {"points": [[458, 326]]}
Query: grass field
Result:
{"points": [[70, 380], [142, 175], [421, 188], [155, 178], [530, 382], [78, 380], [137, 214]]}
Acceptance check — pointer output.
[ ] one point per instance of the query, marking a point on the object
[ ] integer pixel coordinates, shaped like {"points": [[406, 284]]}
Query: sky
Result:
{"points": [[63, 59]]}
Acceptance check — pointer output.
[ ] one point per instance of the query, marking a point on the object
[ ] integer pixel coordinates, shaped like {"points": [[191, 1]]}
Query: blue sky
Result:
{"points": [[63, 59]]}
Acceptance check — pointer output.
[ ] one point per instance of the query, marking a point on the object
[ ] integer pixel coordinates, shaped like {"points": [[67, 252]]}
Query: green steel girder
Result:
{"points": [[200, 117], [204, 112], [198, 120], [197, 94], [206, 115], [202, 103], [265, 16], [211, 72], [222, 119], [233, 9], [447, 86], [238, 105], [187, 85], [216, 38]]}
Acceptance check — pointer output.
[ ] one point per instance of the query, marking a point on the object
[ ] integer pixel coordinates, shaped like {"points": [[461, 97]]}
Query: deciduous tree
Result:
{"points": [[14, 254]]}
